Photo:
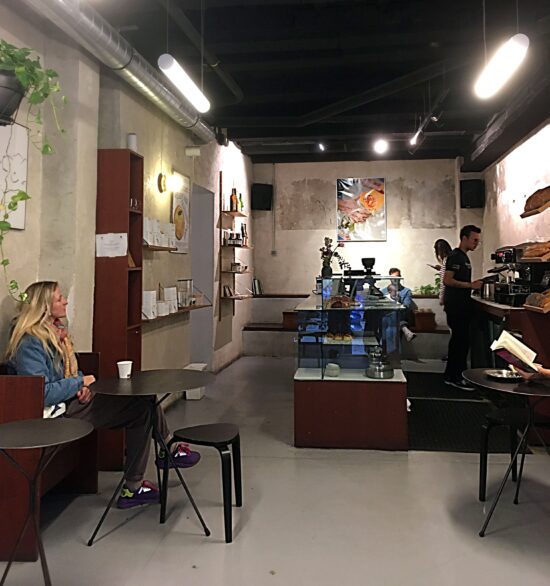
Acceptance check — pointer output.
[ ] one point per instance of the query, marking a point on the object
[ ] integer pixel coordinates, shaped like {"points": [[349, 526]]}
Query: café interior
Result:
{"points": [[256, 229]]}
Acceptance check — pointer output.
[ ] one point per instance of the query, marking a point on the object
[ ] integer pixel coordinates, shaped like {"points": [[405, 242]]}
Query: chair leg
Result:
{"points": [[483, 452], [513, 446], [236, 448], [225, 455], [164, 493]]}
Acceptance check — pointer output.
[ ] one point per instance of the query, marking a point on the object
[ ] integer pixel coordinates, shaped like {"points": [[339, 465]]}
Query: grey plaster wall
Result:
{"points": [[162, 143], [421, 207], [58, 240], [508, 183]]}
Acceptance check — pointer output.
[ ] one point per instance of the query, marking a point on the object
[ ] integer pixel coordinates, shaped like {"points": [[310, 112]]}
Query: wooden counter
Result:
{"points": [[535, 329]]}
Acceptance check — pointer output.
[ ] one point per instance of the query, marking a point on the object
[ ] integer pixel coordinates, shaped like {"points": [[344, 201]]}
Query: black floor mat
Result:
{"points": [[445, 419], [424, 384], [452, 426]]}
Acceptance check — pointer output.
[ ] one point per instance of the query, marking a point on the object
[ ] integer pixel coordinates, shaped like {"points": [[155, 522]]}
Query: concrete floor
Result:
{"points": [[310, 517]]}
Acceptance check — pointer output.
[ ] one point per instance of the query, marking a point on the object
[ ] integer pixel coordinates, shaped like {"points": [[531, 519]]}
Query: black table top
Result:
{"points": [[42, 433], [478, 377], [152, 382]]}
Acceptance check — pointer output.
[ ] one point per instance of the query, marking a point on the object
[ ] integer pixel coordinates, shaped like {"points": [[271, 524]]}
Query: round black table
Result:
{"points": [[539, 392], [48, 435], [150, 383]]}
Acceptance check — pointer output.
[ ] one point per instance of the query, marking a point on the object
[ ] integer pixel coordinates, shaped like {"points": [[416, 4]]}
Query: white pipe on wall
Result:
{"points": [[85, 26]]}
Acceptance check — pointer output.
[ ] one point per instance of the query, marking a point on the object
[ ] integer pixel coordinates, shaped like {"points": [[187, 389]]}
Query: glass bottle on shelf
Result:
{"points": [[234, 203], [241, 203]]}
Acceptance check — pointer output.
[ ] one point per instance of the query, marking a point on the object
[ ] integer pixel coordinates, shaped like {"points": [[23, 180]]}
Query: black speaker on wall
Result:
{"points": [[472, 193], [262, 196]]}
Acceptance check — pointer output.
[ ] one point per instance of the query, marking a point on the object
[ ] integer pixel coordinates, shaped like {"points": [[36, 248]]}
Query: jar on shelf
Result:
{"points": [[185, 292]]}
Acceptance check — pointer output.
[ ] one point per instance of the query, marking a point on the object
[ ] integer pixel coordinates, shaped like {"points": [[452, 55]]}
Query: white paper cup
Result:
{"points": [[124, 368]]}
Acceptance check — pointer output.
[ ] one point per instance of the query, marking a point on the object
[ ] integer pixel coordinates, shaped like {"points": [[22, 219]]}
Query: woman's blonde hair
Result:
{"points": [[32, 319]]}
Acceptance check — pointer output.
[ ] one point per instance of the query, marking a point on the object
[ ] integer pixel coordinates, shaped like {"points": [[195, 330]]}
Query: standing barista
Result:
{"points": [[458, 304]]}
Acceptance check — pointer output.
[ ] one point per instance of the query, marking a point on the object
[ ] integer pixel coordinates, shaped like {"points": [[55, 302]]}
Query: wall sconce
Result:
{"points": [[174, 183], [161, 182]]}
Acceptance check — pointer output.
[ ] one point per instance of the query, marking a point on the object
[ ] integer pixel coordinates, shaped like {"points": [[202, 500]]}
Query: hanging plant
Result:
{"points": [[22, 75]]}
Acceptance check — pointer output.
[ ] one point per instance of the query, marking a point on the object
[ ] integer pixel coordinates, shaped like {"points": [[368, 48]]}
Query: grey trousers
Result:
{"points": [[130, 413]]}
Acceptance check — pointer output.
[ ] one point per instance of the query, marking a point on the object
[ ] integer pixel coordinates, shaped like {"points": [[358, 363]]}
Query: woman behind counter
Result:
{"points": [[40, 345], [442, 250]]}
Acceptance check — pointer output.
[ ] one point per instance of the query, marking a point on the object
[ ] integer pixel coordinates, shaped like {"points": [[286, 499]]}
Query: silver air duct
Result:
{"points": [[85, 26]]}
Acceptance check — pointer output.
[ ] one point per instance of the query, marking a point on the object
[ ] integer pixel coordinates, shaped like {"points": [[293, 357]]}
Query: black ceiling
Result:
{"points": [[283, 76]]}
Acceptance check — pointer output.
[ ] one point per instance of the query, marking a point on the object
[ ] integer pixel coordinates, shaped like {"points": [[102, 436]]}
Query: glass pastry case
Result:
{"points": [[348, 326]]}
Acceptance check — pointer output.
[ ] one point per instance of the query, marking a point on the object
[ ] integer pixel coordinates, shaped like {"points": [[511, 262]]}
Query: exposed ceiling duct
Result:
{"points": [[85, 26]]}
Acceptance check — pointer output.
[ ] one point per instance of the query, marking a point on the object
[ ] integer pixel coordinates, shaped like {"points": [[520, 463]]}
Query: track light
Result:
{"points": [[175, 73], [415, 141], [380, 146], [321, 147], [501, 66]]}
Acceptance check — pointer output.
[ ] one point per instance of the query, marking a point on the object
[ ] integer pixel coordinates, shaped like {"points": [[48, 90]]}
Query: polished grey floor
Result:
{"points": [[310, 517]]}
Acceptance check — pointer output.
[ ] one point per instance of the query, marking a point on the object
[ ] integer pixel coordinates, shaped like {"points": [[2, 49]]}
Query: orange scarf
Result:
{"points": [[70, 364]]}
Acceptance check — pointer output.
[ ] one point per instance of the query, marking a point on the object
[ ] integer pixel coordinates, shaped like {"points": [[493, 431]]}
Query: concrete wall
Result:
{"points": [[508, 183], [422, 206], [59, 239], [162, 142]]}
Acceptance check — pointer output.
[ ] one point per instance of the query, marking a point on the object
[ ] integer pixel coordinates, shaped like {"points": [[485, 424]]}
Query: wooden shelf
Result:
{"points": [[134, 268], [237, 247], [179, 311], [138, 212], [161, 248], [238, 297], [235, 214], [236, 272], [133, 326]]}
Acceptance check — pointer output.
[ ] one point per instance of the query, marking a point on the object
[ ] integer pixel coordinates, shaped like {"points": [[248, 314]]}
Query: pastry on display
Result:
{"points": [[538, 199], [541, 300], [537, 250]]}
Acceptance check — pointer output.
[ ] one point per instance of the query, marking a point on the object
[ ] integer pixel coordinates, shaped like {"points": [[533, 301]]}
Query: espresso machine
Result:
{"points": [[518, 276]]}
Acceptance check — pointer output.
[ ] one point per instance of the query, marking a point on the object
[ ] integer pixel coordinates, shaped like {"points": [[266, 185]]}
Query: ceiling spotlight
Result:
{"points": [[380, 146], [501, 66], [321, 146], [414, 139], [175, 73]]}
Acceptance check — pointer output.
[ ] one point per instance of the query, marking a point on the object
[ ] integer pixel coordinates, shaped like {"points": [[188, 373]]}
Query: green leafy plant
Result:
{"points": [[40, 85], [430, 289]]}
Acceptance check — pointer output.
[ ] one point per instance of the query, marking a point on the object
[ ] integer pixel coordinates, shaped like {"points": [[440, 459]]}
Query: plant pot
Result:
{"points": [[11, 94], [326, 272]]}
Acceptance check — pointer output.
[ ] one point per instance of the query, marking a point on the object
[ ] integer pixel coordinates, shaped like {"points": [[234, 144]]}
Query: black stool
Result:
{"points": [[219, 436]]}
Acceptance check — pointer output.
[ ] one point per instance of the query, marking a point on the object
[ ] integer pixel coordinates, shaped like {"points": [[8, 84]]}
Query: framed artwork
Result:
{"points": [[361, 212], [180, 212], [14, 143]]}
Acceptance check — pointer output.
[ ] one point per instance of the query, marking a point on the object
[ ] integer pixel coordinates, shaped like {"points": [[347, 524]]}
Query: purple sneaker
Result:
{"points": [[146, 494], [183, 458]]}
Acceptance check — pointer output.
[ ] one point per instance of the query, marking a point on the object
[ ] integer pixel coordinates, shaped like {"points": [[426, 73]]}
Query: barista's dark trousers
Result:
{"points": [[459, 317]]}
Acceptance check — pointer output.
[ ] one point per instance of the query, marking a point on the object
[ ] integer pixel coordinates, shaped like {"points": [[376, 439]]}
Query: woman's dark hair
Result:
{"points": [[442, 249]]}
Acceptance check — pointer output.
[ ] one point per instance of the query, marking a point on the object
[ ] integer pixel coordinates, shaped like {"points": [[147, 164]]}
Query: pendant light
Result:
{"points": [[503, 64], [177, 75]]}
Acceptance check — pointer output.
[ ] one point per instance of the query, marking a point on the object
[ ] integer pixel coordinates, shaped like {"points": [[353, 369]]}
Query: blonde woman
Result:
{"points": [[40, 345]]}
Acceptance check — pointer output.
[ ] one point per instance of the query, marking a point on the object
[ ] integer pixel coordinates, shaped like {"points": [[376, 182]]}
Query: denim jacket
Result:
{"points": [[31, 359]]}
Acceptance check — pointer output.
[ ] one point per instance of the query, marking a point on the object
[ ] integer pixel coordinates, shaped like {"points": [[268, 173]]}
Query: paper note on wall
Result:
{"points": [[111, 245]]}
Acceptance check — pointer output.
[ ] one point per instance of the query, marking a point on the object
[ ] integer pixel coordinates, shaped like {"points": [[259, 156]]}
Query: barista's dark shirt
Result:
{"points": [[459, 263]]}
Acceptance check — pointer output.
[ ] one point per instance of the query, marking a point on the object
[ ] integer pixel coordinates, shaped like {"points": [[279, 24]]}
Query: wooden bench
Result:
{"points": [[74, 469]]}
